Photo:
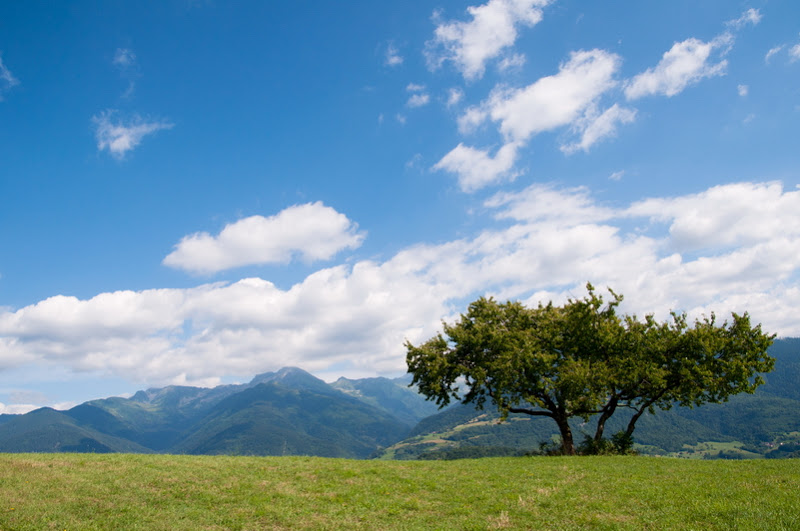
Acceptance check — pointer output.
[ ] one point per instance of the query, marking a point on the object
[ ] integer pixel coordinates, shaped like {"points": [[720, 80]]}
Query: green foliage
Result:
{"points": [[619, 444], [582, 359]]}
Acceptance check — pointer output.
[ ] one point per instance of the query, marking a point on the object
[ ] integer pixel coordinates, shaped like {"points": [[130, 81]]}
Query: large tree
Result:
{"points": [[584, 360]]}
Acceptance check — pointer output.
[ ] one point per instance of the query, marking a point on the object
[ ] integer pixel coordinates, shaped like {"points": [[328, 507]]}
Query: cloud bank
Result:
{"points": [[729, 248]]}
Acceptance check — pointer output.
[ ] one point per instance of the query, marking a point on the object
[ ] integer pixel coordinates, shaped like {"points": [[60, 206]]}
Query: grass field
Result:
{"points": [[80, 491]]}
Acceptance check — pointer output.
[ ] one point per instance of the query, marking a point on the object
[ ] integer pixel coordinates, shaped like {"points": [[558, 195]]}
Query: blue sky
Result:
{"points": [[196, 192]]}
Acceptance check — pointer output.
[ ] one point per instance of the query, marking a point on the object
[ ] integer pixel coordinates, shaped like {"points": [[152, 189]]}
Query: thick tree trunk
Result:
{"points": [[567, 443]]}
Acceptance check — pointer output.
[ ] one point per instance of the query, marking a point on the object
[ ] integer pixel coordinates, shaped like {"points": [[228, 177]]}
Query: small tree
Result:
{"points": [[582, 360]]}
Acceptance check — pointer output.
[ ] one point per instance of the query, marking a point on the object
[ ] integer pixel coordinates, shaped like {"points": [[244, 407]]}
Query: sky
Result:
{"points": [[195, 192]]}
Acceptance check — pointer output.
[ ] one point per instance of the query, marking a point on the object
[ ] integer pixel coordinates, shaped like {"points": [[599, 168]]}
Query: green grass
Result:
{"points": [[79, 491]]}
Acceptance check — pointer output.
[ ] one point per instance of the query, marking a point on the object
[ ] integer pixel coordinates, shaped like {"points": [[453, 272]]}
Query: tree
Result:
{"points": [[584, 360]]}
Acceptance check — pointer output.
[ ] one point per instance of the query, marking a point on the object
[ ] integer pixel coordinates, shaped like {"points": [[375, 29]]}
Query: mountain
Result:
{"points": [[288, 412], [48, 430], [393, 396], [274, 419], [291, 412]]}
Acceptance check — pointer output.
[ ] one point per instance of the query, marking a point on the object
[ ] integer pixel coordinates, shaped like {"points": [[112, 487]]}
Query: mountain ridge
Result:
{"points": [[248, 418]]}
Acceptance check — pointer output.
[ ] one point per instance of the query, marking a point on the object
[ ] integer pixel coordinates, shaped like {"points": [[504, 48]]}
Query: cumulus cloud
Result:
{"points": [[419, 98], [120, 136], [492, 28], [553, 101], [310, 232], [742, 90], [725, 216], [729, 248], [686, 63], [476, 168], [596, 126], [7, 79], [392, 56], [549, 103]]}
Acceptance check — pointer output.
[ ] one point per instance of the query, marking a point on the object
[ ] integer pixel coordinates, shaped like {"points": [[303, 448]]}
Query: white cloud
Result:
{"points": [[513, 62], [414, 87], [454, 96], [471, 119], [124, 58], [547, 104], [310, 232], [492, 29], [751, 16], [543, 203], [617, 175], [16, 409], [743, 90], [125, 61], [594, 127], [553, 101], [686, 63], [726, 216], [772, 52], [418, 100], [476, 168], [392, 57], [794, 53], [7, 79], [120, 136], [733, 247]]}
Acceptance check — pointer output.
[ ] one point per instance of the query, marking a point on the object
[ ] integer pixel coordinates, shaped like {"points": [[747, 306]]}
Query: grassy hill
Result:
{"points": [[158, 492]]}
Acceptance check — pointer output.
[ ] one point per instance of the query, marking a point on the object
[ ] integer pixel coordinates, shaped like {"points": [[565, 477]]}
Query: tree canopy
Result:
{"points": [[584, 360]]}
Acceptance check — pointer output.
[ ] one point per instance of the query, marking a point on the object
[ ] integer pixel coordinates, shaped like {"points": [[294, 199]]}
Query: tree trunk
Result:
{"points": [[567, 444], [632, 422], [601, 422]]}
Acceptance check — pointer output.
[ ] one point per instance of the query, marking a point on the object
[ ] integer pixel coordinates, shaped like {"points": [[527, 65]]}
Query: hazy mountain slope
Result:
{"points": [[272, 419], [393, 396], [784, 381], [48, 430], [288, 411]]}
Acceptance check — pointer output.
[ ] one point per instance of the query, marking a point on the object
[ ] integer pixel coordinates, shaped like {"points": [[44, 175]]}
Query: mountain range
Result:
{"points": [[288, 412], [291, 412]]}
